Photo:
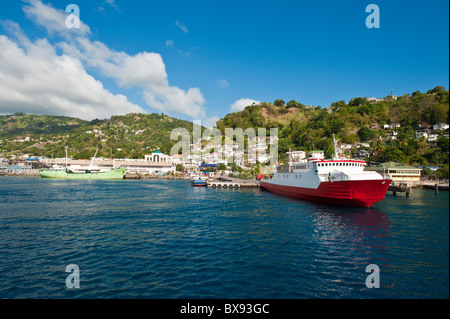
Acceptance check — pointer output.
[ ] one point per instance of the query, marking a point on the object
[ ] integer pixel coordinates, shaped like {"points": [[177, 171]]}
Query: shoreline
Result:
{"points": [[35, 173]]}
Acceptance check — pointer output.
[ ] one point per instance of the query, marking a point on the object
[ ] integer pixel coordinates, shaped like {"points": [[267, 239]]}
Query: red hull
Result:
{"points": [[348, 193]]}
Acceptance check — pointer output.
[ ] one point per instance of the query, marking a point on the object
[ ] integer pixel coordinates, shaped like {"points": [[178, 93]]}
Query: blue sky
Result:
{"points": [[196, 59]]}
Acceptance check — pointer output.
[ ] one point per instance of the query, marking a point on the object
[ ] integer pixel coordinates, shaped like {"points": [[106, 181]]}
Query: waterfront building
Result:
{"points": [[400, 173]]}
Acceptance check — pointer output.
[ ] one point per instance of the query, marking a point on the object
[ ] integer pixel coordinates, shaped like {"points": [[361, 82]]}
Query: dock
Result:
{"points": [[400, 188], [230, 182]]}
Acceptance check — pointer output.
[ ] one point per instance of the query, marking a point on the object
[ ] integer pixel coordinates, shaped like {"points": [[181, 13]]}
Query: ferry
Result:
{"points": [[335, 181]]}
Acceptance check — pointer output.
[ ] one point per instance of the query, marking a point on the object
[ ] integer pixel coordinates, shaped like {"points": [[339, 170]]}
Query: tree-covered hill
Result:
{"points": [[131, 135], [304, 127]]}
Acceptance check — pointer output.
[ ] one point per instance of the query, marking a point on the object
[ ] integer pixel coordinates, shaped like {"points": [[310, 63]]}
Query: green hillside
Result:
{"points": [[304, 127], [131, 135]]}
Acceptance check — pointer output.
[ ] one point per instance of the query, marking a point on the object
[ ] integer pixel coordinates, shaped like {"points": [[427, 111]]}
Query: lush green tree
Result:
{"points": [[84, 154], [292, 103], [417, 160], [279, 102], [443, 143], [427, 172], [422, 144], [339, 104], [221, 167], [436, 89], [366, 134], [357, 101], [443, 172], [435, 113], [393, 154]]}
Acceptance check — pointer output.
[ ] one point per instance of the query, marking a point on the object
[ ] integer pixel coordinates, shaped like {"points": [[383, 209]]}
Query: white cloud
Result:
{"points": [[241, 104], [54, 21], [58, 82], [34, 79], [223, 84], [210, 122], [173, 99], [169, 43], [182, 26]]}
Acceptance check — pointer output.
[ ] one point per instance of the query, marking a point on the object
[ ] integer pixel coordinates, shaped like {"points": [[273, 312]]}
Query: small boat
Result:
{"points": [[198, 180]]}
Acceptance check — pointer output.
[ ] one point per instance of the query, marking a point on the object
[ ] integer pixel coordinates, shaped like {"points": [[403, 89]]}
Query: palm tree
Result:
{"points": [[422, 144], [378, 146]]}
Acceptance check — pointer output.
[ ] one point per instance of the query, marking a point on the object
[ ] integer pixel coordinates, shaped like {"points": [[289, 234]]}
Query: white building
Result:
{"points": [[158, 157], [440, 126], [296, 156], [432, 137], [374, 100], [317, 154]]}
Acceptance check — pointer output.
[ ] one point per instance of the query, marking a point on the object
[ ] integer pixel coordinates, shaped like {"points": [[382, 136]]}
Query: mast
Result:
{"points": [[93, 159], [335, 149], [66, 156]]}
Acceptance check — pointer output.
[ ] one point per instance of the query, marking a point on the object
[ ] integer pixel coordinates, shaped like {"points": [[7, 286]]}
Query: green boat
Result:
{"points": [[114, 173], [117, 173]]}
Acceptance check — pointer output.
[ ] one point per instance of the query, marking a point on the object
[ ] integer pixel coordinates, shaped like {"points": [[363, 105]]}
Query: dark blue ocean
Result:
{"points": [[166, 239]]}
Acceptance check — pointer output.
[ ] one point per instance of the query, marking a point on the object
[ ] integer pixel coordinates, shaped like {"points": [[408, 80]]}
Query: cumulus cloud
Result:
{"points": [[60, 83], [34, 79], [210, 122], [53, 20], [241, 104]]}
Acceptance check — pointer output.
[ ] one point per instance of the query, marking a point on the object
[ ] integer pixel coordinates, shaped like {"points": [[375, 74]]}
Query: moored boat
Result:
{"points": [[88, 173], [198, 180], [335, 181], [117, 173]]}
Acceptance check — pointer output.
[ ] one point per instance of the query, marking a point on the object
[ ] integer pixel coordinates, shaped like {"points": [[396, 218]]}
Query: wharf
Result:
{"points": [[400, 188], [230, 182], [433, 185], [147, 176], [407, 189]]}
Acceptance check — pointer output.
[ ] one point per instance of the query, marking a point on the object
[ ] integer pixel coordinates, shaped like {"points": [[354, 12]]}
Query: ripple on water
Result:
{"points": [[165, 239]]}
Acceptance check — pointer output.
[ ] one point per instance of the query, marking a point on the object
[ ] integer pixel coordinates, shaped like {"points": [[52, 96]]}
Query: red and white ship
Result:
{"points": [[336, 181]]}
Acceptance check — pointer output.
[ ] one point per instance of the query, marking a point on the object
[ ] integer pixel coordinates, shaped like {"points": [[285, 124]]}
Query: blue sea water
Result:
{"points": [[165, 239]]}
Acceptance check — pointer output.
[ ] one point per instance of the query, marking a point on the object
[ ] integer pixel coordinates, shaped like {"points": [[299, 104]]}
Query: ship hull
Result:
{"points": [[360, 193], [112, 174], [198, 183]]}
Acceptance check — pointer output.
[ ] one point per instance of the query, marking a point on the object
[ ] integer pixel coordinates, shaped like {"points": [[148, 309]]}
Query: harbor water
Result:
{"points": [[165, 239]]}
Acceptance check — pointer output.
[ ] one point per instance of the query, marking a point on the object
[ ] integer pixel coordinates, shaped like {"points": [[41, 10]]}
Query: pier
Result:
{"points": [[230, 182], [400, 188]]}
